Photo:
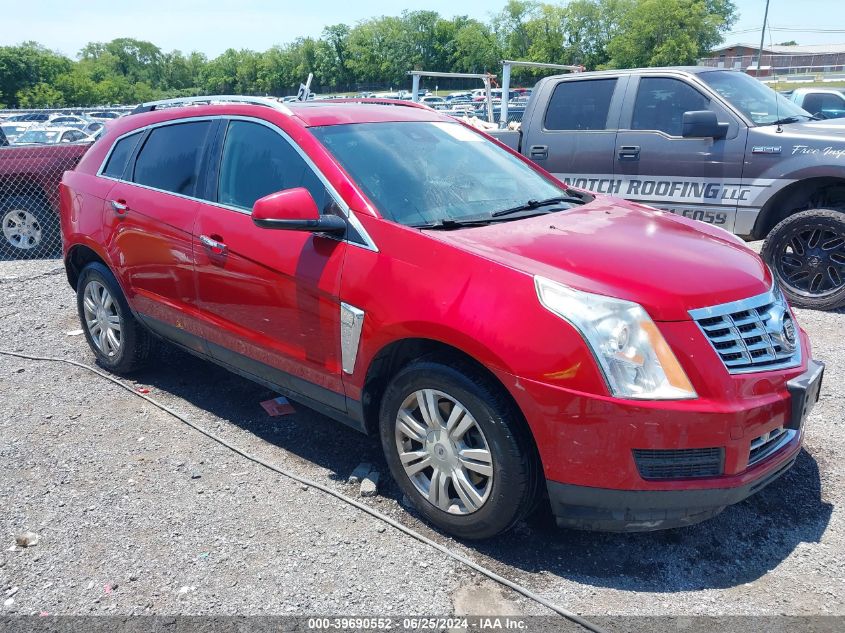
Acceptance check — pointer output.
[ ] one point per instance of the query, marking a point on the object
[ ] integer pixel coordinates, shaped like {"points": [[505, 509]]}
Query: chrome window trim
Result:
{"points": [[773, 295], [348, 213], [351, 324]]}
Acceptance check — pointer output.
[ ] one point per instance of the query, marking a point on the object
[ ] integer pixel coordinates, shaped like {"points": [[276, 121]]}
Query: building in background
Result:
{"points": [[798, 63]]}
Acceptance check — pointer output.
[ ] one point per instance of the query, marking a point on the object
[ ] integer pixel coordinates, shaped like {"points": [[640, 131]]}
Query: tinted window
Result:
{"points": [[116, 166], [170, 158], [661, 103], [258, 161], [822, 102], [580, 105]]}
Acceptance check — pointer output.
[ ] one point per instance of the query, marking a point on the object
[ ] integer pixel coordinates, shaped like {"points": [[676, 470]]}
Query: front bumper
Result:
{"points": [[606, 510]]}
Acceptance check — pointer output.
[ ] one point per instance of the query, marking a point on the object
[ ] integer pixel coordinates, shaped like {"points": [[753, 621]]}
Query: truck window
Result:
{"points": [[580, 105], [661, 103], [822, 102]]}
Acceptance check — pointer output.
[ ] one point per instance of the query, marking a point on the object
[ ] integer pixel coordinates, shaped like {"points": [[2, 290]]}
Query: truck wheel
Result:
{"points": [[119, 342], [807, 253], [30, 228], [458, 448]]}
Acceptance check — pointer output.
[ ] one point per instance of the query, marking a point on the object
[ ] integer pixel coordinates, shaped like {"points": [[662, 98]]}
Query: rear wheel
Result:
{"points": [[30, 228], [458, 448], [807, 252], [118, 341]]}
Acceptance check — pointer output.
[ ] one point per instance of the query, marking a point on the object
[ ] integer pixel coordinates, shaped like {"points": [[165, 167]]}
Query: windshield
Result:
{"points": [[420, 173], [39, 136], [755, 100]]}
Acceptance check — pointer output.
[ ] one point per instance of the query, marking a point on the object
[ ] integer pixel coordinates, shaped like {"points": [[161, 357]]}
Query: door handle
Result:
{"points": [[119, 207], [216, 247], [538, 152], [629, 152]]}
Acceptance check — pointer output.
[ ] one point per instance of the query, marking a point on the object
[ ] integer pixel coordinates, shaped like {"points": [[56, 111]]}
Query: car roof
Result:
{"points": [[693, 70], [306, 114]]}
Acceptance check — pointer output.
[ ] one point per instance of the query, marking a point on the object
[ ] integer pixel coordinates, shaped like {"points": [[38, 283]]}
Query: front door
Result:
{"points": [[699, 178], [269, 298]]}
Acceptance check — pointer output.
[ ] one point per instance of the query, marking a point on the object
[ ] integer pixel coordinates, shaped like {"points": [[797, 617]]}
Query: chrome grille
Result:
{"points": [[768, 443], [748, 335]]}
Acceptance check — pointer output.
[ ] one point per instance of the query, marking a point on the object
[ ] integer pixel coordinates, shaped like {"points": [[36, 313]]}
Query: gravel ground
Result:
{"points": [[139, 514]]}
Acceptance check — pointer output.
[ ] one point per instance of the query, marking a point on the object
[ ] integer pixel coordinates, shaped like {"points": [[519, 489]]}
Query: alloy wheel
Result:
{"points": [[810, 260], [21, 229], [444, 451], [102, 318]]}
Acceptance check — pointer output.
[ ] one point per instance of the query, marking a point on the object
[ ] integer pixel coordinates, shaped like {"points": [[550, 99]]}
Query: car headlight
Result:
{"points": [[635, 359]]}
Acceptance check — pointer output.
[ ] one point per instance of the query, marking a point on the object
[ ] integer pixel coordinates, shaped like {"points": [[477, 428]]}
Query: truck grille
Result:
{"points": [[752, 334], [679, 464], [768, 443]]}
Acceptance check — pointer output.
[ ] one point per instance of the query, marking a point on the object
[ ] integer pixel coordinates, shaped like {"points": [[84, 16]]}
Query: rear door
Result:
{"points": [[149, 217], [699, 178], [269, 298], [575, 137]]}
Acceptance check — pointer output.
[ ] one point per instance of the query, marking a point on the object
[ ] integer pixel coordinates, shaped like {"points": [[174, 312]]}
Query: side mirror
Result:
{"points": [[703, 123], [294, 210]]}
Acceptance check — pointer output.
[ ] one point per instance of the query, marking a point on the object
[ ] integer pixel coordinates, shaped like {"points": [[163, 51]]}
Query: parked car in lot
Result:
{"points": [[825, 103], [505, 335], [29, 197], [70, 120], [104, 115], [51, 135], [710, 144], [13, 130]]}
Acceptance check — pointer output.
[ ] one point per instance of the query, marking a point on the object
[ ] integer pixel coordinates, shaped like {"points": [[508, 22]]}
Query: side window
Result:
{"points": [[580, 105], [116, 165], [820, 102], [258, 161], [171, 156], [661, 103]]}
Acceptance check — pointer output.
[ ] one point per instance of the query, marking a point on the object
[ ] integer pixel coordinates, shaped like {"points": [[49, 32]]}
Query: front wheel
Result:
{"points": [[807, 253], [457, 447]]}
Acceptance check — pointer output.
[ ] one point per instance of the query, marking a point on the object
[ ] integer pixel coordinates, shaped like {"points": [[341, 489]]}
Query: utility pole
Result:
{"points": [[762, 35]]}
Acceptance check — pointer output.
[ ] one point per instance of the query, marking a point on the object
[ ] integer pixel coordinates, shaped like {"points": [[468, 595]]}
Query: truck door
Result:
{"points": [[575, 137], [700, 178]]}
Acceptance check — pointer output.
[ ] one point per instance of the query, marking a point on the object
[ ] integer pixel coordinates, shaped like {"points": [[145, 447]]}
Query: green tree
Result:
{"points": [[26, 66], [40, 95], [669, 32]]}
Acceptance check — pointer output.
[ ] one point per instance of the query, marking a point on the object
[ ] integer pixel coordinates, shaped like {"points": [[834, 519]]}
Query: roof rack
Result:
{"points": [[376, 101], [210, 99]]}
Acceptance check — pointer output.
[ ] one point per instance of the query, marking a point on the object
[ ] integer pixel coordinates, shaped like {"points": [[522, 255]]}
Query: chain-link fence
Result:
{"points": [[29, 198]]}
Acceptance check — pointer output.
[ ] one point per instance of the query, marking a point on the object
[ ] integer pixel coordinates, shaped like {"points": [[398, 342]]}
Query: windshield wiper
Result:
{"points": [[794, 119], [450, 224], [530, 205]]}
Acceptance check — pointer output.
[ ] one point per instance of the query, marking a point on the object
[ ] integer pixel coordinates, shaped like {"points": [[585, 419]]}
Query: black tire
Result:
{"points": [[137, 345], [807, 253], [43, 234], [515, 467]]}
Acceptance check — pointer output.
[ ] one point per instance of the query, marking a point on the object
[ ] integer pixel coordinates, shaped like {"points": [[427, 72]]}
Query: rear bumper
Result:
{"points": [[603, 509]]}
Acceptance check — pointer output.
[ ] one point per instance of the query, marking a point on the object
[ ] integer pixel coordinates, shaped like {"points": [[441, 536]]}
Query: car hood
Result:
{"points": [[828, 129], [666, 263]]}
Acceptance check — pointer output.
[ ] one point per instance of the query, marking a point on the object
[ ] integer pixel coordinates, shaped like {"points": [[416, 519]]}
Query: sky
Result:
{"points": [[211, 26]]}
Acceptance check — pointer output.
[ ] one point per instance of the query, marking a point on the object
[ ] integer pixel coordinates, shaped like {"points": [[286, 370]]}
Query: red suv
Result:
{"points": [[507, 336]]}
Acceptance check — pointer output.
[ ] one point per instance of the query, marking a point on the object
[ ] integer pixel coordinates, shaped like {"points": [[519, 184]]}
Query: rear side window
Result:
{"points": [[580, 105], [821, 102], [171, 156], [661, 103], [116, 165], [258, 161]]}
